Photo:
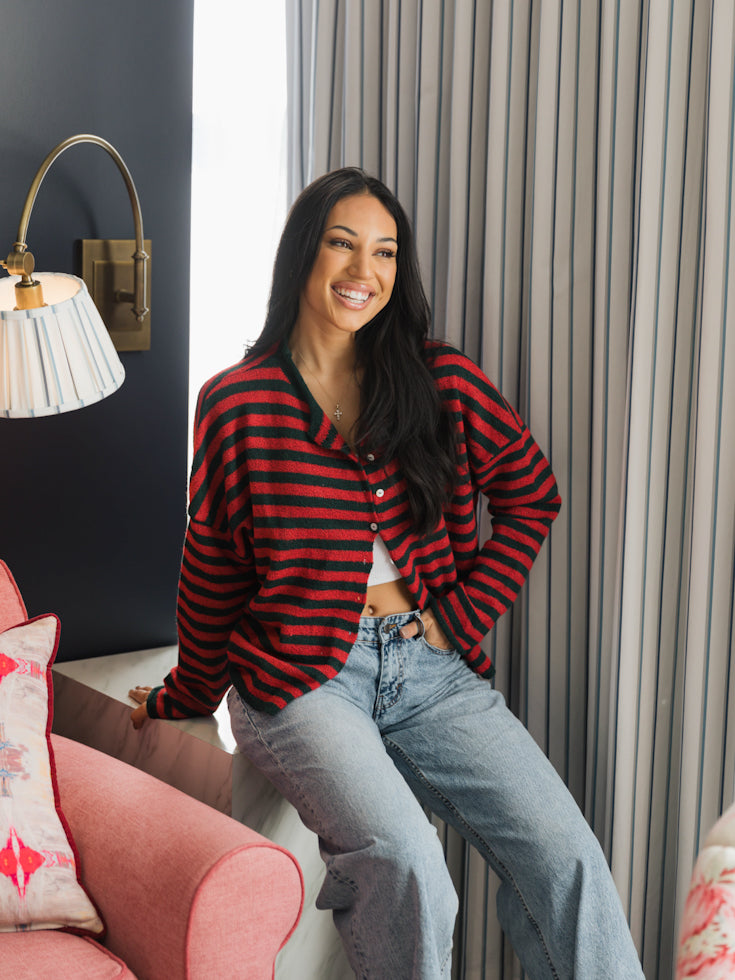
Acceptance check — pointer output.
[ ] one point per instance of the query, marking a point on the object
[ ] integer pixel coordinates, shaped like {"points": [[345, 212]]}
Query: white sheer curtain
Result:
{"points": [[238, 176], [568, 167]]}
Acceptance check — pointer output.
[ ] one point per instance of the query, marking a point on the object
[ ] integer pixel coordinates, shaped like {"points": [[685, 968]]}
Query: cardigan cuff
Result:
{"points": [[150, 702], [459, 620]]}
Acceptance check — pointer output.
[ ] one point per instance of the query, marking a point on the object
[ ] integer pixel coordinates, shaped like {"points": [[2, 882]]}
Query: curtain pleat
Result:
{"points": [[567, 165]]}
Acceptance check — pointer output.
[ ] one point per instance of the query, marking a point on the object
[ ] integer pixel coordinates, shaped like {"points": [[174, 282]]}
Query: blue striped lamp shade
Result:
{"points": [[58, 357]]}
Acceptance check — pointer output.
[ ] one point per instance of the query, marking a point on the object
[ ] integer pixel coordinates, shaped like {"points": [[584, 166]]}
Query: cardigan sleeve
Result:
{"points": [[507, 466], [214, 588], [216, 582]]}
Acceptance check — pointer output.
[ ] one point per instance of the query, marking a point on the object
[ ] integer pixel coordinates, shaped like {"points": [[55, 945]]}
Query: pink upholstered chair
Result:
{"points": [[186, 893]]}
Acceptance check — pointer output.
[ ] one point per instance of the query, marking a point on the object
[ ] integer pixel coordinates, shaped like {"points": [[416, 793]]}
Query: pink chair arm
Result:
{"points": [[12, 607], [186, 892]]}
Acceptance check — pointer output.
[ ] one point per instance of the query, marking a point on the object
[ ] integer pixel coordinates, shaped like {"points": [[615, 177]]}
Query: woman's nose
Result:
{"points": [[360, 264]]}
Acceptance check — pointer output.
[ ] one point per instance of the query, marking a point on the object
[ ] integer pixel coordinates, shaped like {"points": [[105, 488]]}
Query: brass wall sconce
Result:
{"points": [[55, 352]]}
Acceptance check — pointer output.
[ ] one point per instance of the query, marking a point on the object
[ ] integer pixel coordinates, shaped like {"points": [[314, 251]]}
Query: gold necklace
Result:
{"points": [[337, 413]]}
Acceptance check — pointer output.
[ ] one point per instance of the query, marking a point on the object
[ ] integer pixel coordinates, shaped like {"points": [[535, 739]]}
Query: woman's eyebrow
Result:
{"points": [[350, 231]]}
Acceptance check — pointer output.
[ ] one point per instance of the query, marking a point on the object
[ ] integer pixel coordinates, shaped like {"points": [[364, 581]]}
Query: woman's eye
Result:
{"points": [[340, 243], [387, 253]]}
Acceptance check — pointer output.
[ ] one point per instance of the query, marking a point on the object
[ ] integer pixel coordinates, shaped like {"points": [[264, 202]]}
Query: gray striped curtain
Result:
{"points": [[568, 168]]}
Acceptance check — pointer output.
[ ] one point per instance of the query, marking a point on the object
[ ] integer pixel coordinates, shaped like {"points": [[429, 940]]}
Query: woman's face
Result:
{"points": [[355, 269]]}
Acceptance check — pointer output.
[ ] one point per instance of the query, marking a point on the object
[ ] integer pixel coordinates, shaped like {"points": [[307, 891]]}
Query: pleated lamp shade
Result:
{"points": [[58, 357]]}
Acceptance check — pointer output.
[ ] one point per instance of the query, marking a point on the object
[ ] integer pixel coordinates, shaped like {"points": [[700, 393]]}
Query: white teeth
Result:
{"points": [[353, 294]]}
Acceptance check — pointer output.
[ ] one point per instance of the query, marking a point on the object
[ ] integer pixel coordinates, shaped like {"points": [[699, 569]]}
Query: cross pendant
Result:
{"points": [[338, 413]]}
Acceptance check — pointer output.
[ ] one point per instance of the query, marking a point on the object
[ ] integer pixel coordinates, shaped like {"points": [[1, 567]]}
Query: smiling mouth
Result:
{"points": [[354, 297]]}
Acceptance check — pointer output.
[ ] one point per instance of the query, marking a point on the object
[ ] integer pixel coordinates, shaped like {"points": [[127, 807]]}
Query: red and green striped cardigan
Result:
{"points": [[282, 519]]}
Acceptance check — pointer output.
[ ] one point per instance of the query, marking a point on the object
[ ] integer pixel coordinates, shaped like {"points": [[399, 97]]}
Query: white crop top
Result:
{"points": [[384, 568]]}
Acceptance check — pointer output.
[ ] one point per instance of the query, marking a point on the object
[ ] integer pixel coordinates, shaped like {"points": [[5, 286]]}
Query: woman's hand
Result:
{"points": [[432, 631], [140, 714]]}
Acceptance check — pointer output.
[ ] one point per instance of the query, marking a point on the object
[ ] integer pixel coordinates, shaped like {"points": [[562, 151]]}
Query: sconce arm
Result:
{"points": [[20, 261]]}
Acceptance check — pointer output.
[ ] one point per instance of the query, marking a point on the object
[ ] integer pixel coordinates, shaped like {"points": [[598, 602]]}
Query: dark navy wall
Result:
{"points": [[93, 502]]}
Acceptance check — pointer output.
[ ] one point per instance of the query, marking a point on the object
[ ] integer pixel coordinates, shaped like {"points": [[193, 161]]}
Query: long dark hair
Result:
{"points": [[400, 413]]}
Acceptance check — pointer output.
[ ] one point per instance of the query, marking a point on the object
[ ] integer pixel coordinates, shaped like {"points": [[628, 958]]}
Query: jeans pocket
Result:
{"points": [[440, 650]]}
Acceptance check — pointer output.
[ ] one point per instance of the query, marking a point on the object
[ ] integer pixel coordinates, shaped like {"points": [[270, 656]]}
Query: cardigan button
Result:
{"points": [[373, 526], [371, 457], [380, 493]]}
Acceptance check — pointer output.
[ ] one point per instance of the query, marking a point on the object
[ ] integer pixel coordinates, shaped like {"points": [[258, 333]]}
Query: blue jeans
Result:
{"points": [[405, 722]]}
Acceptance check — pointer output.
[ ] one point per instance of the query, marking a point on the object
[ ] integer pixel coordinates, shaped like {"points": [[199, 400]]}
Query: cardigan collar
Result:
{"points": [[321, 430]]}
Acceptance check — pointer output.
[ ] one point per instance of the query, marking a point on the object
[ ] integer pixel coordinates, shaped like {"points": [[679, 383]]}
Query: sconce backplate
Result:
{"points": [[107, 267]]}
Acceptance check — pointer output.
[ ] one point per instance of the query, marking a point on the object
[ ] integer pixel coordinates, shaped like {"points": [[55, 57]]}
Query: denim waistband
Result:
{"points": [[371, 627]]}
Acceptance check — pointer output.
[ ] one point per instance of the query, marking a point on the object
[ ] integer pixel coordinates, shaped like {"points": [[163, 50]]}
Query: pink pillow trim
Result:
{"points": [[100, 935]]}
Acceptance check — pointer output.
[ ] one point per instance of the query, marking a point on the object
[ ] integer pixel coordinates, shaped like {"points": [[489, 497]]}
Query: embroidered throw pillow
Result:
{"points": [[39, 886]]}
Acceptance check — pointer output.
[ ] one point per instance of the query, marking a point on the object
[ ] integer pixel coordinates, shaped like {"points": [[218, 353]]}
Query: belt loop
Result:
{"points": [[419, 621]]}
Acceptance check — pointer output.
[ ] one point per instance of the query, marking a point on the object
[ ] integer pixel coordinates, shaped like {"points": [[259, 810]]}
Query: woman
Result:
{"points": [[333, 575]]}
